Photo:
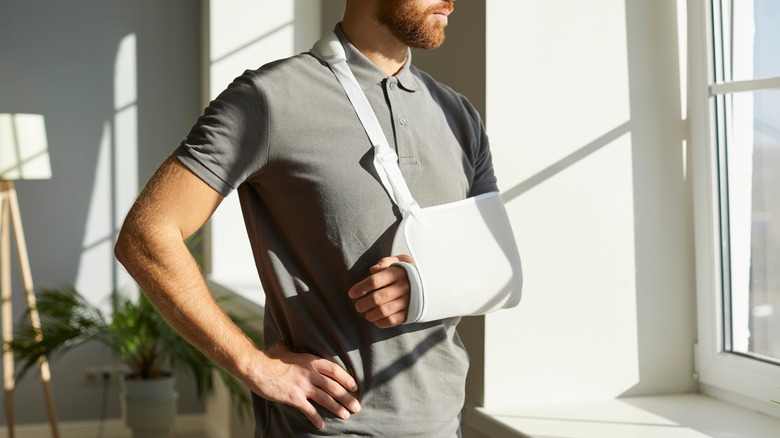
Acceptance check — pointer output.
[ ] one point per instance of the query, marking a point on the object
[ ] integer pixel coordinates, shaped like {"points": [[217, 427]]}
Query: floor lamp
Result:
{"points": [[23, 155]]}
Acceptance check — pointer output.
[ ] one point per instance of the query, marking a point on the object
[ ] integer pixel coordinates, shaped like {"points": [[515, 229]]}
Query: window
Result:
{"points": [[748, 143], [738, 243]]}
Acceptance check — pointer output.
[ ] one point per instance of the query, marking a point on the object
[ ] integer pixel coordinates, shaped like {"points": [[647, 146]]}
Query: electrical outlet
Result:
{"points": [[96, 375], [90, 376]]}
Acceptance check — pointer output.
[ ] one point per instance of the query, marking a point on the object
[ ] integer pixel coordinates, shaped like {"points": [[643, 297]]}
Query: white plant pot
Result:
{"points": [[149, 406]]}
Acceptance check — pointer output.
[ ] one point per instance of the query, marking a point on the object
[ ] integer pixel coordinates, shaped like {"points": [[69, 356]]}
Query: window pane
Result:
{"points": [[749, 39], [751, 154]]}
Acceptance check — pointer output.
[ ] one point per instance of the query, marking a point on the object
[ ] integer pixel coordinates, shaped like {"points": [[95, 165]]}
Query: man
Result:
{"points": [[340, 362]]}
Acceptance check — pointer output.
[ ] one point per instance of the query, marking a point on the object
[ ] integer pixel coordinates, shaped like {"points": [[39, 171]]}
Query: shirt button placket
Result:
{"points": [[392, 86], [403, 136]]}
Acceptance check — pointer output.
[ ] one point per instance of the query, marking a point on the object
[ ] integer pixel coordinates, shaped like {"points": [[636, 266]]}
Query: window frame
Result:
{"points": [[736, 378]]}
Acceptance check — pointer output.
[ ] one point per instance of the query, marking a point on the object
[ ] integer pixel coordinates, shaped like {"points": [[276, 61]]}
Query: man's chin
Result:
{"points": [[430, 44], [431, 39]]}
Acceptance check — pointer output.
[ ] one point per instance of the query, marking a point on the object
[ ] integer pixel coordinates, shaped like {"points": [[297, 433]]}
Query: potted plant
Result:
{"points": [[137, 336]]}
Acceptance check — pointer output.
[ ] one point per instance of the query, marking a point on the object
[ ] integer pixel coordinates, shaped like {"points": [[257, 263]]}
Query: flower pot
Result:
{"points": [[149, 406]]}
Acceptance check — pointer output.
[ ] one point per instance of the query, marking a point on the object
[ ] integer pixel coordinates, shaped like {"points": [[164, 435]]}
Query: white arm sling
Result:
{"points": [[466, 261]]}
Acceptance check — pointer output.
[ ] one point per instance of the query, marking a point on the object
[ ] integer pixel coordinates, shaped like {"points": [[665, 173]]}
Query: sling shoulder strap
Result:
{"points": [[330, 50]]}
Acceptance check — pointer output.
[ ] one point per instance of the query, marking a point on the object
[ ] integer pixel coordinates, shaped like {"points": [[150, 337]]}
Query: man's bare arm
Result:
{"points": [[173, 205]]}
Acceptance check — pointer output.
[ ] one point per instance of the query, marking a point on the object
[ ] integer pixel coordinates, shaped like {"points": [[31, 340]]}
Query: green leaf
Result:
{"points": [[136, 334]]}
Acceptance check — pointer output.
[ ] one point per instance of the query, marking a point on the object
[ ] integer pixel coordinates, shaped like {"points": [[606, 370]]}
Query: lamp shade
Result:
{"points": [[24, 152]]}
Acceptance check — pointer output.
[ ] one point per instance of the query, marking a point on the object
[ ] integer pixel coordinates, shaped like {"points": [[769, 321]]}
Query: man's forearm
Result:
{"points": [[167, 273]]}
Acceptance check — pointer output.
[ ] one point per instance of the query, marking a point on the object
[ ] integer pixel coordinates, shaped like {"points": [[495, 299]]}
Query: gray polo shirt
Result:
{"points": [[317, 217]]}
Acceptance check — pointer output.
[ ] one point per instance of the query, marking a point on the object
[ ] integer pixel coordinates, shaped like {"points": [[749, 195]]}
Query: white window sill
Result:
{"points": [[672, 416]]}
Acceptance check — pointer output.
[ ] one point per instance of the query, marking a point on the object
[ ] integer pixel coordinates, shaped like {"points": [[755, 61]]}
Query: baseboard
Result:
{"points": [[186, 425]]}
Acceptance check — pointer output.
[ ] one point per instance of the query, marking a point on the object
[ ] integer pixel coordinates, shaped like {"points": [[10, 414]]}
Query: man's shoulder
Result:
{"points": [[298, 73], [293, 68]]}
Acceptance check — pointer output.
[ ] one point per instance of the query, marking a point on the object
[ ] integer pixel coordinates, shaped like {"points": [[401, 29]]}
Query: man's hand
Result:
{"points": [[294, 379], [383, 297]]}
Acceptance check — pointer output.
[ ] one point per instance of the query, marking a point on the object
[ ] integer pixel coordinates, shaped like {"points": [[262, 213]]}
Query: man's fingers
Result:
{"points": [[329, 390], [335, 372], [383, 297], [406, 258], [311, 413], [302, 379], [392, 320], [387, 261], [377, 280], [393, 287], [338, 384], [388, 309], [333, 397], [325, 400], [378, 298]]}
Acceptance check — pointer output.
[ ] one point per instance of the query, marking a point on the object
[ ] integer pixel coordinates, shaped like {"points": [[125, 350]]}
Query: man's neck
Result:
{"points": [[375, 41]]}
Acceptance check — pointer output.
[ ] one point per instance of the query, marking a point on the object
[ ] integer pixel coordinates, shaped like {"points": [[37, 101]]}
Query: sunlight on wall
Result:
{"points": [[242, 35], [116, 183], [682, 56], [245, 34], [95, 276], [560, 126], [682, 59], [125, 149]]}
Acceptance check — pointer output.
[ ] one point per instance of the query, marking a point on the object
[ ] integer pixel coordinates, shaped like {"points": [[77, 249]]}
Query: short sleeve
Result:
{"points": [[484, 177], [229, 142]]}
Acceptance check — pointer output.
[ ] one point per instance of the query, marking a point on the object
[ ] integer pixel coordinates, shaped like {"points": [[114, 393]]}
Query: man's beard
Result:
{"points": [[410, 24]]}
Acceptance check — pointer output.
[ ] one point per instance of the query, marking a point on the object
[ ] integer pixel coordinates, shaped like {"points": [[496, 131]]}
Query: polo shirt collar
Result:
{"points": [[368, 74]]}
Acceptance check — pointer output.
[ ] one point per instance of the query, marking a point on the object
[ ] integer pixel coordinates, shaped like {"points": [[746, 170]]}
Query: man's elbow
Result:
{"points": [[121, 248], [126, 246]]}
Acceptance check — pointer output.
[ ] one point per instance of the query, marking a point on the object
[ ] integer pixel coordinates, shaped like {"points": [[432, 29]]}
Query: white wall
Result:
{"points": [[584, 114], [117, 83], [241, 35]]}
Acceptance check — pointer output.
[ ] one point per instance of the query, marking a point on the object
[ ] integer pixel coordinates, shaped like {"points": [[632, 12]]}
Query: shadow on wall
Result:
{"points": [[118, 85]]}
